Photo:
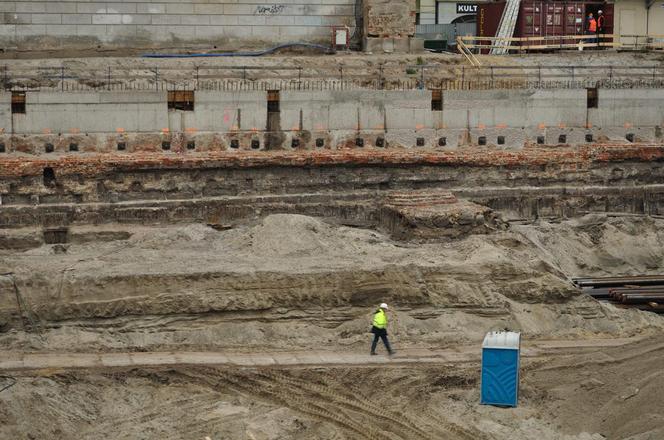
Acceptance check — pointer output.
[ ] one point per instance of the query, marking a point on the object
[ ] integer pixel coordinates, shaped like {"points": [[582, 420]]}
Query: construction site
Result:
{"points": [[205, 204]]}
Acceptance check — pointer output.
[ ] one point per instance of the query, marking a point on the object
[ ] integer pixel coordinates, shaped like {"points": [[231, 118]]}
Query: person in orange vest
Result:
{"points": [[591, 28], [600, 24]]}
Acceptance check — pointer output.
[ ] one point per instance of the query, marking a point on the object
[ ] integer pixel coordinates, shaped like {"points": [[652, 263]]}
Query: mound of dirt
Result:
{"points": [[289, 283], [598, 245], [296, 281]]}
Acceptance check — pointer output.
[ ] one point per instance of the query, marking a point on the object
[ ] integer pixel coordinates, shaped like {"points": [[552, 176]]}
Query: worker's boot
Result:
{"points": [[373, 353]]}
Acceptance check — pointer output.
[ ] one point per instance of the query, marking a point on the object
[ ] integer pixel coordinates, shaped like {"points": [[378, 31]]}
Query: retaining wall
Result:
{"points": [[631, 107], [98, 121], [91, 112], [221, 112], [356, 110], [82, 24]]}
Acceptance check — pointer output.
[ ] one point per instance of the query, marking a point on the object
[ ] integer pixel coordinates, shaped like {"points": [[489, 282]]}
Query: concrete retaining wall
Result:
{"points": [[92, 112], [514, 108], [632, 107], [81, 24], [222, 112], [5, 113], [356, 110], [329, 119]]}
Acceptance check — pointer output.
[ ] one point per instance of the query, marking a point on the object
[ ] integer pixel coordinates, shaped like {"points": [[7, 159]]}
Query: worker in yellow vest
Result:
{"points": [[379, 329]]}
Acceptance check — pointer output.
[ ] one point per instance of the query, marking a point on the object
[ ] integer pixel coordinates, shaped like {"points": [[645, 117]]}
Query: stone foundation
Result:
{"points": [[389, 26]]}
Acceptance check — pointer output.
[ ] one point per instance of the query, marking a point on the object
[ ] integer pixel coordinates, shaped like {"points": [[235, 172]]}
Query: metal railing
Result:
{"points": [[642, 42], [561, 42]]}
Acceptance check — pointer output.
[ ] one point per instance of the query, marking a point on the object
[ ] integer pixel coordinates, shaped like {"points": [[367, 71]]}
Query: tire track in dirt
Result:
{"points": [[631, 354], [357, 417], [243, 384], [321, 393]]}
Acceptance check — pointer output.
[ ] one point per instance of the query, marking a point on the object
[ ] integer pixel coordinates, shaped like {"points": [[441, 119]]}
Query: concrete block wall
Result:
{"points": [[81, 24], [5, 113], [514, 108], [216, 111], [630, 107], [356, 110], [99, 120], [92, 112]]}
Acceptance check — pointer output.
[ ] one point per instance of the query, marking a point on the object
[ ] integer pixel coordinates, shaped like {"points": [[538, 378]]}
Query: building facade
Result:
{"points": [[85, 24], [639, 17]]}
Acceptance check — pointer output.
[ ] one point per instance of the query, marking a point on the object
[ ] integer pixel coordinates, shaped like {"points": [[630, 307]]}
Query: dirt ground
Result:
{"points": [[615, 393], [136, 72], [295, 283]]}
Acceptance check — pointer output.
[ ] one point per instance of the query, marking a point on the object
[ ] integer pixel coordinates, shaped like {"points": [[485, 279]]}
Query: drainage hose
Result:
{"points": [[260, 53]]}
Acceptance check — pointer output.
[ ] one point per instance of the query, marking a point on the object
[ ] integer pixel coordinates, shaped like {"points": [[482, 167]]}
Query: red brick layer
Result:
{"points": [[564, 157]]}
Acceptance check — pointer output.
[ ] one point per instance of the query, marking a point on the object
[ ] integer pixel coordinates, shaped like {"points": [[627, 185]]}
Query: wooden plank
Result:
{"points": [[545, 46]]}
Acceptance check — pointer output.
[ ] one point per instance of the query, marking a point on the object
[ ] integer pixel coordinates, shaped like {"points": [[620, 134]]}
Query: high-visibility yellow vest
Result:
{"points": [[380, 319]]}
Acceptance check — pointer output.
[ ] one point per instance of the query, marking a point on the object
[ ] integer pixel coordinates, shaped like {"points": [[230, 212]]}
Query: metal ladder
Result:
{"points": [[506, 27]]}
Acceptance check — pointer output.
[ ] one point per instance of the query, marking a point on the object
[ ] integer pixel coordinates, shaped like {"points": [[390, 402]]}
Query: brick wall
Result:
{"points": [[159, 23]]}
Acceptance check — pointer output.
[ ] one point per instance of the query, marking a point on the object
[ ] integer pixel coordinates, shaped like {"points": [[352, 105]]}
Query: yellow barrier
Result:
{"points": [[466, 44]]}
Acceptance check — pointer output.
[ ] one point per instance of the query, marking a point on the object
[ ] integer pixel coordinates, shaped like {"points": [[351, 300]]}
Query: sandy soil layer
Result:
{"points": [[291, 282], [294, 281], [145, 72], [610, 393]]}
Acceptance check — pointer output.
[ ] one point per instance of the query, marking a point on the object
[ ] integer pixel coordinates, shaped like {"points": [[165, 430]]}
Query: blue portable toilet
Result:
{"points": [[500, 368]]}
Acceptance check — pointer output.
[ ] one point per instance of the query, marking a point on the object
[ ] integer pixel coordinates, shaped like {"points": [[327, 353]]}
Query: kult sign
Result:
{"points": [[466, 8]]}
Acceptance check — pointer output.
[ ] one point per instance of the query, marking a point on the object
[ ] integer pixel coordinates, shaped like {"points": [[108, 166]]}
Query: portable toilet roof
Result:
{"points": [[506, 340]]}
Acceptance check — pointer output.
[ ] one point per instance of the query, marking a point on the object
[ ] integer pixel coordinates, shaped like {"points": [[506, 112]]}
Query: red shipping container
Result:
{"points": [[488, 20], [544, 18]]}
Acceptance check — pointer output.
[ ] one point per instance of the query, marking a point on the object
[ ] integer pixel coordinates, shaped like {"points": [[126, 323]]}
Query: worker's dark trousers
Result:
{"points": [[382, 336]]}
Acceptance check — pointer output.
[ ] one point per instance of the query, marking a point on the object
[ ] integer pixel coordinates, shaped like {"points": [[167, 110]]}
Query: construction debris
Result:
{"points": [[645, 292]]}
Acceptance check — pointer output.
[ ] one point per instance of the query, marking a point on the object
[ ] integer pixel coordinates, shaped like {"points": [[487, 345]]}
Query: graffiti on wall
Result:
{"points": [[270, 10]]}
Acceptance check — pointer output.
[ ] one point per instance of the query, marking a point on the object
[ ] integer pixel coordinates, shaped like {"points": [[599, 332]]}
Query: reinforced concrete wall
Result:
{"points": [[85, 24], [92, 112], [631, 107], [5, 113], [514, 108], [356, 110], [222, 112], [98, 121]]}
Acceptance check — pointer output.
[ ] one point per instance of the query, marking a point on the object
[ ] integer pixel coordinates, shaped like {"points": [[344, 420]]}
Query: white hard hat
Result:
{"points": [[384, 306], [599, 12]]}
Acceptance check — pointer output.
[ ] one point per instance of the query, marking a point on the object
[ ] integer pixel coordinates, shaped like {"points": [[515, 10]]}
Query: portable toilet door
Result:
{"points": [[500, 369]]}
